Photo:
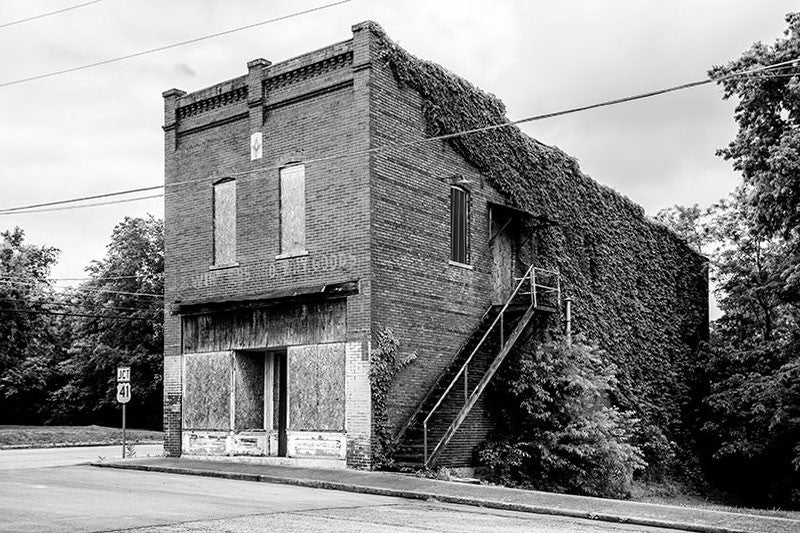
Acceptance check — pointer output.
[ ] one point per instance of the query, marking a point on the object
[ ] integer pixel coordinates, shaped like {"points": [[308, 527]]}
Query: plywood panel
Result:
{"points": [[284, 325], [316, 387], [225, 223], [293, 210], [249, 391], [207, 391], [502, 268]]}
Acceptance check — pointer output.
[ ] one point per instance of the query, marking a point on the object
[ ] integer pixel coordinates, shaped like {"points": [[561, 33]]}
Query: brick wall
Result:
{"points": [[307, 108]]}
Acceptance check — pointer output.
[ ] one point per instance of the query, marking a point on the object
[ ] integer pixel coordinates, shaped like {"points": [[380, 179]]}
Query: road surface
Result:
{"points": [[40, 498]]}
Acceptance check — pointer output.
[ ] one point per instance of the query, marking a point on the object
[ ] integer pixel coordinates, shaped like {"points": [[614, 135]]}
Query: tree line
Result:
{"points": [[59, 348]]}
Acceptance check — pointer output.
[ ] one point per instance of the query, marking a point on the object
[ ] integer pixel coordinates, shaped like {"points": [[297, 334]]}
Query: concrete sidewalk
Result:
{"points": [[405, 486]]}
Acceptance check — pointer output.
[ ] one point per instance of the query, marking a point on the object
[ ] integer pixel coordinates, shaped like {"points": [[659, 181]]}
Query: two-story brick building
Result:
{"points": [[308, 208]]}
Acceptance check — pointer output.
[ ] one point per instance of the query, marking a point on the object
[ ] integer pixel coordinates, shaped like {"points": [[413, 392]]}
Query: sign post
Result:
{"points": [[123, 395]]}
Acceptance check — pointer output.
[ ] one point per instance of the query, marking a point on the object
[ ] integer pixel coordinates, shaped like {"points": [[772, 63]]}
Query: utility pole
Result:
{"points": [[568, 303]]}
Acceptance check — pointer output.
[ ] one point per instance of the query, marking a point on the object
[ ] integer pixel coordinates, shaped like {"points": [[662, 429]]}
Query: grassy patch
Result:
{"points": [[681, 496], [44, 436]]}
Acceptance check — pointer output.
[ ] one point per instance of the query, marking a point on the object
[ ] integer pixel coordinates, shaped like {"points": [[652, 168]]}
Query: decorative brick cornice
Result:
{"points": [[220, 100], [309, 71]]}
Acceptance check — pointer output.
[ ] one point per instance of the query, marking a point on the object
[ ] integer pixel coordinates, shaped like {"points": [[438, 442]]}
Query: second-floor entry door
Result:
{"points": [[504, 233]]}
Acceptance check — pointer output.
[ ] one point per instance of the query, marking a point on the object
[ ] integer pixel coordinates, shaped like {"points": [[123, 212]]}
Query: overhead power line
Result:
{"points": [[93, 197], [87, 290], [69, 279], [69, 207], [78, 305], [83, 315], [407, 144], [43, 15], [170, 46]]}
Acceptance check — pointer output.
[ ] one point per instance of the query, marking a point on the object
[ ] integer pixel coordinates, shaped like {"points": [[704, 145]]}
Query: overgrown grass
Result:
{"points": [[45, 436], [681, 496]]}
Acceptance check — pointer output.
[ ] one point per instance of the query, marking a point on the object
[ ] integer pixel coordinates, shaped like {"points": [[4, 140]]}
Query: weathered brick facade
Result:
{"points": [[376, 218]]}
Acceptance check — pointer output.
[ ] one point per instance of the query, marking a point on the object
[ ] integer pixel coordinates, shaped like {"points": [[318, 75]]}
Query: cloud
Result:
{"points": [[185, 70]]}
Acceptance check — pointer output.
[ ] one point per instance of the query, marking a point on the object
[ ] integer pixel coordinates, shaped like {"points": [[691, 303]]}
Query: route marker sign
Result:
{"points": [[123, 392], [123, 395]]}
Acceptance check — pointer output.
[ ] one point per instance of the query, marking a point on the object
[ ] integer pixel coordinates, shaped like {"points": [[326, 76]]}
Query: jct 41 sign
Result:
{"points": [[123, 384], [123, 392]]}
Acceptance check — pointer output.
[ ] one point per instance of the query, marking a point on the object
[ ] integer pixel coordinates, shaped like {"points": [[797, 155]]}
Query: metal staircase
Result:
{"points": [[543, 294]]}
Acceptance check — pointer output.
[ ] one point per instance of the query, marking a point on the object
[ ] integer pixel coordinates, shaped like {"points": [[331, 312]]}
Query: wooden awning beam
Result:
{"points": [[315, 292]]}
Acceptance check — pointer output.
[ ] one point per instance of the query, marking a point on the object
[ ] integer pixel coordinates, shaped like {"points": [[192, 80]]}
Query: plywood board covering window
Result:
{"points": [[280, 325], [249, 370], [207, 391], [459, 225], [293, 210], [316, 387], [225, 223]]}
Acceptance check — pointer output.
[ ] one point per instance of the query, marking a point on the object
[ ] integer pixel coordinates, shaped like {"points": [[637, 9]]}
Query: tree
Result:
{"points": [[746, 268], [766, 149], [686, 222], [749, 419], [125, 327], [28, 344]]}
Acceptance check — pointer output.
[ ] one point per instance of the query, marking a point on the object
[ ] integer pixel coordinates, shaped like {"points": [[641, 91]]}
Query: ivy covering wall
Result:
{"points": [[638, 290]]}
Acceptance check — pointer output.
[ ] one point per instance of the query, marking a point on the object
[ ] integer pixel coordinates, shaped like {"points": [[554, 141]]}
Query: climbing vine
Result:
{"points": [[638, 289], [385, 362]]}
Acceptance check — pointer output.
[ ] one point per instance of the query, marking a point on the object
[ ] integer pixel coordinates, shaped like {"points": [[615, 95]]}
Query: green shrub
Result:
{"points": [[558, 430]]}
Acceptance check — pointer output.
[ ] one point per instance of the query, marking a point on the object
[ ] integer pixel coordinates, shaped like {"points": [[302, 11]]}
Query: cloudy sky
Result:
{"points": [[99, 129]]}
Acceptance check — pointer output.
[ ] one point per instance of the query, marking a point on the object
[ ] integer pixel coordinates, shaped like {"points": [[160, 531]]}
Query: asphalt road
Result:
{"points": [[85, 498]]}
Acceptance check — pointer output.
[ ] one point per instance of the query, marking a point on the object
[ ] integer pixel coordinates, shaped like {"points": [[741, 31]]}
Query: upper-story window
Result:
{"points": [[459, 225], [225, 223], [293, 210]]}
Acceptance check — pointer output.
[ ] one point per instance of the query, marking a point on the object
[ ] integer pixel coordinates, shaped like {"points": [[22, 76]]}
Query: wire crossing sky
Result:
{"points": [[48, 14], [169, 46], [391, 146]]}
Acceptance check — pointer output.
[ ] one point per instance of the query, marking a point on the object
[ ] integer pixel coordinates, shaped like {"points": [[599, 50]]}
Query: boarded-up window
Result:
{"points": [[249, 375], [293, 210], [459, 225], [283, 325], [207, 391], [316, 387], [225, 223]]}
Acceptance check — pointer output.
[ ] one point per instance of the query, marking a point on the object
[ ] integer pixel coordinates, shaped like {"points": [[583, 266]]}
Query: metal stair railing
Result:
{"points": [[538, 289], [530, 277]]}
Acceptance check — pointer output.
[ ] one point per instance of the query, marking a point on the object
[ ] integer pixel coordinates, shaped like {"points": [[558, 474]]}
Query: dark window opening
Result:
{"points": [[459, 225]]}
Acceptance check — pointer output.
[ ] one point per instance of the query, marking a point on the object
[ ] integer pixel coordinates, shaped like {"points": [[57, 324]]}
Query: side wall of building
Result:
{"points": [[638, 290]]}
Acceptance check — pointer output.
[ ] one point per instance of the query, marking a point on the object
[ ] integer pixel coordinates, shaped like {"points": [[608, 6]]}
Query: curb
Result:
{"points": [[73, 445], [425, 496]]}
